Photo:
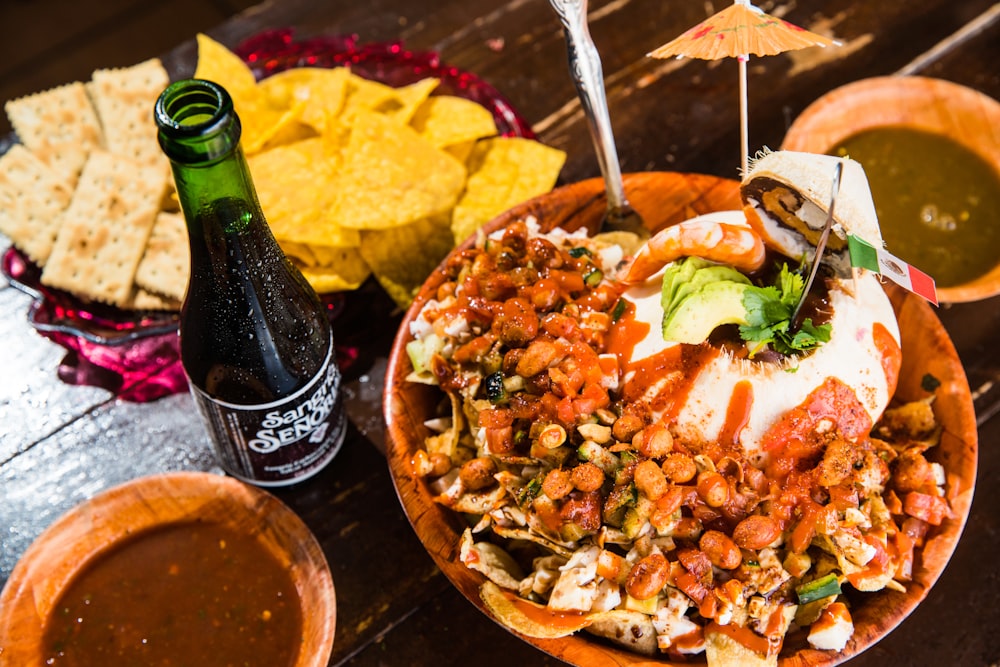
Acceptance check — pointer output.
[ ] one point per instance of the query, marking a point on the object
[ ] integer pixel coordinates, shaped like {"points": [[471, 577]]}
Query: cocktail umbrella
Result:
{"points": [[739, 31]]}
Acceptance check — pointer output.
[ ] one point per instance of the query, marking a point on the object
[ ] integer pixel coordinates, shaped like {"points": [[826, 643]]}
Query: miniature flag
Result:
{"points": [[866, 256]]}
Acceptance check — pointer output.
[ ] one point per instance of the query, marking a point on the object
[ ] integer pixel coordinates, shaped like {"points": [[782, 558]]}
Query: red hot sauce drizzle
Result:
{"points": [[737, 415], [890, 355]]}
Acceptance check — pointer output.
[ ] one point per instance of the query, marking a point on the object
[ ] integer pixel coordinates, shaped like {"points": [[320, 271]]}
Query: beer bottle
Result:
{"points": [[255, 340]]}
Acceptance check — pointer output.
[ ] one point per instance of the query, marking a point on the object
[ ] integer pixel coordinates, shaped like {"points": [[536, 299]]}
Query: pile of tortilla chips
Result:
{"points": [[355, 178], [358, 178]]}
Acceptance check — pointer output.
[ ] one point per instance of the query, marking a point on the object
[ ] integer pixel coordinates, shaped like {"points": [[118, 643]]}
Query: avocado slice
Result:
{"points": [[678, 274], [699, 313], [703, 277]]}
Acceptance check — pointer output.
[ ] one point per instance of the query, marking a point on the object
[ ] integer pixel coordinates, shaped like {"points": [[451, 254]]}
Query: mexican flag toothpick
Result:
{"points": [[866, 256]]}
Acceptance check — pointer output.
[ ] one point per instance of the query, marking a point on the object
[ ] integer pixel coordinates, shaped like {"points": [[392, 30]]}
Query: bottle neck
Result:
{"points": [[200, 132]]}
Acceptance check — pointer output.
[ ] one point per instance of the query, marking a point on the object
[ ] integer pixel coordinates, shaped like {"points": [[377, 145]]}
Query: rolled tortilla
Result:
{"points": [[787, 196]]}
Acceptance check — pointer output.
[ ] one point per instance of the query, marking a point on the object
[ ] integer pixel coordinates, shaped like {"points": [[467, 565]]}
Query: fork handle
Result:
{"points": [[585, 67]]}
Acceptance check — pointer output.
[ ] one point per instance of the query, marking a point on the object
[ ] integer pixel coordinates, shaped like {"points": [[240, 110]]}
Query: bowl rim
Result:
{"points": [[438, 528], [909, 101], [115, 515]]}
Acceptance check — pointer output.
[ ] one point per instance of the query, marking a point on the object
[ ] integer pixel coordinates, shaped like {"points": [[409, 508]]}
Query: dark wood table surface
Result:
{"points": [[61, 443]]}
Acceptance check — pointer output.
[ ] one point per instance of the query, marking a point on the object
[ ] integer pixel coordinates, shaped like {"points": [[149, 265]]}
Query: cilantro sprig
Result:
{"points": [[769, 312]]}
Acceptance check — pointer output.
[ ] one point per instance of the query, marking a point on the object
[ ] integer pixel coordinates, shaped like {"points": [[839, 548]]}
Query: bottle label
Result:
{"points": [[281, 442]]}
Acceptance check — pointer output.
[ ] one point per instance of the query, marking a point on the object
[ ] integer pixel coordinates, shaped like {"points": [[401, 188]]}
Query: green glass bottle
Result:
{"points": [[255, 340]]}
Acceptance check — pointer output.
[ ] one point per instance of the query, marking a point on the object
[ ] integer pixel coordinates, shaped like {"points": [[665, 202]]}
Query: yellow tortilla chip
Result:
{"points": [[364, 95], [402, 257], [392, 176], [219, 64], [724, 651], [259, 119], [328, 269], [410, 98], [503, 172], [506, 607], [293, 186], [319, 90], [445, 120]]}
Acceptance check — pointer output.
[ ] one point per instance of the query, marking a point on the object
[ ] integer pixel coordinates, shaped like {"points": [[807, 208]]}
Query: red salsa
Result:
{"points": [[185, 594]]}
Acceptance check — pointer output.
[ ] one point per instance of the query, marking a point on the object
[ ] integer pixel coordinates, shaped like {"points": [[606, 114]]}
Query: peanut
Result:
{"points": [[679, 468], [756, 532], [648, 576], [721, 550]]}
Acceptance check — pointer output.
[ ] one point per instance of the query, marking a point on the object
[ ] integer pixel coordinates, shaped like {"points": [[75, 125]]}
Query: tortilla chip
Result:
{"points": [[410, 98], [320, 92], [328, 269], [293, 186], [721, 650], [391, 176], [503, 172], [364, 95], [632, 630], [445, 121], [402, 257], [218, 64], [505, 607]]}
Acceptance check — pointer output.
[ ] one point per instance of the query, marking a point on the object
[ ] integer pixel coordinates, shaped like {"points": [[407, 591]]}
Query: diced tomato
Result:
{"points": [[915, 529], [500, 440], [496, 418], [565, 412], [923, 506], [902, 548]]}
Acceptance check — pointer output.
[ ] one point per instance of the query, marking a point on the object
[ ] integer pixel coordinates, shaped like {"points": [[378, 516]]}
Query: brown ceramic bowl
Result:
{"points": [[933, 105], [93, 527], [664, 199]]}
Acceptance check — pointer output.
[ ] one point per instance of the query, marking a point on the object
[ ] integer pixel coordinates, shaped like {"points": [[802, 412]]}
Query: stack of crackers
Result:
{"points": [[85, 195]]}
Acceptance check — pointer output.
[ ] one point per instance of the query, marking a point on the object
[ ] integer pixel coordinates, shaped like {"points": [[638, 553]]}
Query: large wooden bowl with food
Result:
{"points": [[184, 566], [414, 411]]}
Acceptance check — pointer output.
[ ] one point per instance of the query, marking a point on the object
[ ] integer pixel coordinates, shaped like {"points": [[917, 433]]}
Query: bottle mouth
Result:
{"points": [[196, 121], [192, 106]]}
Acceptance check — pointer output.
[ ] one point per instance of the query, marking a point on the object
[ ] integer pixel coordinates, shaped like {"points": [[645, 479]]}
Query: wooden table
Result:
{"points": [[61, 443]]}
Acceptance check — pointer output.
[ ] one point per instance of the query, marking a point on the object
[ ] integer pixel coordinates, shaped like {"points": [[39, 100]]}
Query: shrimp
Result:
{"points": [[724, 242]]}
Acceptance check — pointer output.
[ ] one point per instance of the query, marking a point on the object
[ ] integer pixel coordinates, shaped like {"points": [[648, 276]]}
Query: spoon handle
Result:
{"points": [[585, 67]]}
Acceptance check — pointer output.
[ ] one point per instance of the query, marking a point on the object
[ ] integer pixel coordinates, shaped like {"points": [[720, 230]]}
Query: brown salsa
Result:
{"points": [[197, 594]]}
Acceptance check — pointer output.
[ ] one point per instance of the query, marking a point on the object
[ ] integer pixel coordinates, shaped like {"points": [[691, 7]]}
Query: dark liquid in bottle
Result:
{"points": [[258, 350], [249, 336]]}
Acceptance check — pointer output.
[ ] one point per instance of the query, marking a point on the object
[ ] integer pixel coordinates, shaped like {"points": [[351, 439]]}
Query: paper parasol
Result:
{"points": [[739, 31]]}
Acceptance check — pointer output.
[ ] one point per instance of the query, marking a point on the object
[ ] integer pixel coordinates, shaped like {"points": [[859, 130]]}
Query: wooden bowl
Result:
{"points": [[664, 199], [93, 527], [933, 105]]}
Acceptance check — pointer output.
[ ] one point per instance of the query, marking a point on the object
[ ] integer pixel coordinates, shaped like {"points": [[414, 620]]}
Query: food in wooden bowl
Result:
{"points": [[593, 510], [932, 152], [188, 565]]}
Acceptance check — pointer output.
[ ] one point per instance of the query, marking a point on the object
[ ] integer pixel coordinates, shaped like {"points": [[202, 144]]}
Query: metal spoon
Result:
{"points": [[585, 66]]}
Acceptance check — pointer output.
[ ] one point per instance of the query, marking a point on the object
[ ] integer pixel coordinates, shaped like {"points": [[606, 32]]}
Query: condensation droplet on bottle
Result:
{"points": [[250, 336]]}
